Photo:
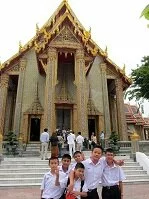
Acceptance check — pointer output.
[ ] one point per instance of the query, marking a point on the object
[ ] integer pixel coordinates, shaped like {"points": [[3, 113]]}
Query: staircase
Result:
{"points": [[32, 150], [17, 172]]}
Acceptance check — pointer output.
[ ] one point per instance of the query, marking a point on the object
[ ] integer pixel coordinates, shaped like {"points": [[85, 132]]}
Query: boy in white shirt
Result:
{"points": [[79, 140], [80, 188], [112, 178], [65, 168], [48, 187]]}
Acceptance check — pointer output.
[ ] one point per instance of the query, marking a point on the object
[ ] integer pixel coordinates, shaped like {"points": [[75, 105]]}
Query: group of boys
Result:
{"points": [[81, 179]]}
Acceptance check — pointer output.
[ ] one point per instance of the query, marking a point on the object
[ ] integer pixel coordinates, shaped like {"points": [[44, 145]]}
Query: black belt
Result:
{"points": [[90, 190], [110, 187]]}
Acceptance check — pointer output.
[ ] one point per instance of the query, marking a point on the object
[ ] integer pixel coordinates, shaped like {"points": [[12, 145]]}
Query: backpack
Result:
{"points": [[69, 196]]}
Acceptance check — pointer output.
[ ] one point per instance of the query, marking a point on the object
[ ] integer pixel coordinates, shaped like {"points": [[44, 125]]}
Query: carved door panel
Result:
{"points": [[63, 118]]}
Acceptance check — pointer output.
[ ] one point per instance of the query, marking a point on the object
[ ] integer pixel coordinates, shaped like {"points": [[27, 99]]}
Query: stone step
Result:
{"points": [[135, 172], [132, 167], [141, 176], [24, 170]]}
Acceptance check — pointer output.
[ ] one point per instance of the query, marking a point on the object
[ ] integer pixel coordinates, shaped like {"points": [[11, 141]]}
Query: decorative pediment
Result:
{"points": [[66, 38], [92, 110], [14, 68], [35, 108], [111, 73]]}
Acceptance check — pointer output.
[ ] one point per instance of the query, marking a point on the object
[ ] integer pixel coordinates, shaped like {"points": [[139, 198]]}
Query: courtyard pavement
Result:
{"points": [[138, 191]]}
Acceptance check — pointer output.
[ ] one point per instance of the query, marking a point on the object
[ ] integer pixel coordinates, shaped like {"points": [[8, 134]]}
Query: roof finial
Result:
{"points": [[65, 1], [124, 67], [37, 28], [20, 46], [90, 29], [106, 51]]}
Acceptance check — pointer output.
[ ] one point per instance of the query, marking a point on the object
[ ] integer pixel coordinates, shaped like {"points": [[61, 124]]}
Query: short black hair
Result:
{"points": [[77, 152], [97, 147], [79, 133], [79, 166], [110, 150], [45, 130], [66, 156], [53, 158]]}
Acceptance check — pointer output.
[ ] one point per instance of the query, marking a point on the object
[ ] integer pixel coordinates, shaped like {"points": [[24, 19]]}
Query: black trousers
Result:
{"points": [[112, 192], [92, 194]]}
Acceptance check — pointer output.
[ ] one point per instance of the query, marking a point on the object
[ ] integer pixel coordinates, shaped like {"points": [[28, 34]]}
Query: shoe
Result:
{"points": [[47, 159]]}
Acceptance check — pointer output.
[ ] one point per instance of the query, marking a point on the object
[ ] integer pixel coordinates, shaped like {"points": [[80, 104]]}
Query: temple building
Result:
{"points": [[136, 122], [61, 77]]}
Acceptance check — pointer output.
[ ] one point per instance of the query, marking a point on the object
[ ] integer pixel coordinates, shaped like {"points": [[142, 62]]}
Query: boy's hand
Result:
{"points": [[57, 172], [119, 162], [70, 188], [75, 193]]}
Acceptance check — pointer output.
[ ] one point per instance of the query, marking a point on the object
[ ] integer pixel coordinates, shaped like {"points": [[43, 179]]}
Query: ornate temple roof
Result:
{"points": [[63, 15], [133, 115]]}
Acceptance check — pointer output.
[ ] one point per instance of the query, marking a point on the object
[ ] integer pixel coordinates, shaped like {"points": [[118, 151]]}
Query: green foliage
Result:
{"points": [[11, 143], [140, 76], [113, 141], [145, 12]]}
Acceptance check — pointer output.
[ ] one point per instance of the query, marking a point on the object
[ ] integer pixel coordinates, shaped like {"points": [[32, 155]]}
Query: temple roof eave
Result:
{"points": [[78, 27]]}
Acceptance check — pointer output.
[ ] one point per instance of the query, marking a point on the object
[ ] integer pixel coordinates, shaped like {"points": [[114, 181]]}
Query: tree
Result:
{"points": [[145, 12], [140, 86]]}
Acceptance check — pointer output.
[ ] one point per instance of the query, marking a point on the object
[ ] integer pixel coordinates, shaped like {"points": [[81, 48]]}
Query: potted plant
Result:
{"points": [[12, 143], [113, 141]]}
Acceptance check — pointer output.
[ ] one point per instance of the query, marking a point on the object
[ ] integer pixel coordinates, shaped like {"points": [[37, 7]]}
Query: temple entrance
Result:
{"points": [[63, 118], [35, 129], [91, 126]]}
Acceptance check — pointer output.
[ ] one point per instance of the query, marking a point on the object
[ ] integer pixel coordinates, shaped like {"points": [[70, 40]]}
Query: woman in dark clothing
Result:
{"points": [[54, 145]]}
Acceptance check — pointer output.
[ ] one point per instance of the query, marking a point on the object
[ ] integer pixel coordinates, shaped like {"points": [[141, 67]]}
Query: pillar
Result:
{"points": [[121, 118], [81, 92], [4, 81], [105, 100], [19, 98], [51, 81]]}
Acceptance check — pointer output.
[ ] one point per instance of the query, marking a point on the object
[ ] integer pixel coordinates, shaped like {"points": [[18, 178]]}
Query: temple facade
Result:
{"points": [[62, 78]]}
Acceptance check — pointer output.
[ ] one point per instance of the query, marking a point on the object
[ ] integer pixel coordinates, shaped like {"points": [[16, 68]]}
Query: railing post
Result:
{"points": [[134, 145]]}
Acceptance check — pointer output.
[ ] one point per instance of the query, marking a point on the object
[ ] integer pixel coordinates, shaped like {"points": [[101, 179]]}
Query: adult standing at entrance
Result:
{"points": [[79, 140], [44, 139], [71, 142]]}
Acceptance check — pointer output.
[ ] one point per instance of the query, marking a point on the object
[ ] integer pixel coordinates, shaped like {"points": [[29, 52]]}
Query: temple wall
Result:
{"points": [[30, 81], [95, 83], [41, 89]]}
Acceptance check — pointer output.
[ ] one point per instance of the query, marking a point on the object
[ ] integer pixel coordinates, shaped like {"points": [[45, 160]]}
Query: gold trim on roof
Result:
{"points": [[54, 25]]}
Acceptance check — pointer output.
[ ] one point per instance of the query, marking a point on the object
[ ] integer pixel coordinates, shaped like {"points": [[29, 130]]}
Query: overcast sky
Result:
{"points": [[114, 23]]}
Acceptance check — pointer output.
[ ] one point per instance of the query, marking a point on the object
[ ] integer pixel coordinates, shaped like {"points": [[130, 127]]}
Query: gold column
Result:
{"points": [[74, 126], [18, 107], [121, 118], [51, 81], [81, 92], [107, 123], [4, 80]]}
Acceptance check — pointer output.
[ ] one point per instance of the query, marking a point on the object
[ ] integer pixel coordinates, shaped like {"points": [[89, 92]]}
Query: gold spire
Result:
{"points": [[124, 67], [37, 28], [106, 51], [20, 46]]}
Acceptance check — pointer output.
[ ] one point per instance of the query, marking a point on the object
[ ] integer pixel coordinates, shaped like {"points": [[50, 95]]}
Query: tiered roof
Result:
{"points": [[133, 115], [63, 16]]}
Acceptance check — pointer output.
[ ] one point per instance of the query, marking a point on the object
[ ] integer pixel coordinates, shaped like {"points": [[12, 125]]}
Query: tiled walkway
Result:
{"points": [[139, 191]]}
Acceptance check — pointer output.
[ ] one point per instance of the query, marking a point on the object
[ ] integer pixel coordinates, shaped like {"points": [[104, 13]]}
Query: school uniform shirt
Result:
{"points": [[63, 173], [93, 172], [77, 187], [112, 175], [49, 188]]}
